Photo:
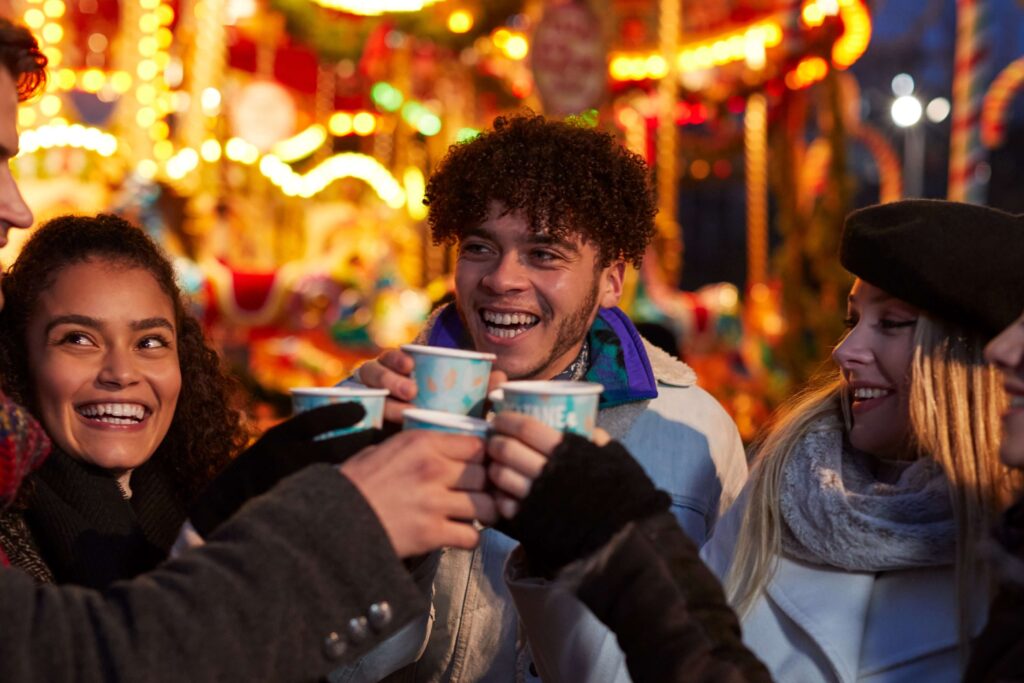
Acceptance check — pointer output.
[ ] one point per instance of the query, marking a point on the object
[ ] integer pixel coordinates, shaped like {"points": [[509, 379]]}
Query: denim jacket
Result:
{"points": [[689, 447]]}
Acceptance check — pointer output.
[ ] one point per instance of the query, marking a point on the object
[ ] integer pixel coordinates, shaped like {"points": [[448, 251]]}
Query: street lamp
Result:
{"points": [[906, 112]]}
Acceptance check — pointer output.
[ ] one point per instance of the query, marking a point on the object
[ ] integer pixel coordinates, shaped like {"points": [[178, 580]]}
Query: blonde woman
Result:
{"points": [[851, 554]]}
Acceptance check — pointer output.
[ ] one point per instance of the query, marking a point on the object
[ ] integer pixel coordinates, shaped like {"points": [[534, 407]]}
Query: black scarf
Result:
{"points": [[87, 531]]}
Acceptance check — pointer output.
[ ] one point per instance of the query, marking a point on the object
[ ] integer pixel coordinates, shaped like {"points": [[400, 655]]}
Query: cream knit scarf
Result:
{"points": [[836, 513]]}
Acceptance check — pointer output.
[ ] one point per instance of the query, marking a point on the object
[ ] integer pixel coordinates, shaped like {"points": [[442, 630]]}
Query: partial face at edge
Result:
{"points": [[874, 358], [103, 358], [1006, 352], [527, 298], [14, 213]]}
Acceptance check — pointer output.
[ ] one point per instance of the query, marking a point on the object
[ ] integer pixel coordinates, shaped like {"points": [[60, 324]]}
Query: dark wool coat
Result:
{"points": [[218, 613], [997, 654]]}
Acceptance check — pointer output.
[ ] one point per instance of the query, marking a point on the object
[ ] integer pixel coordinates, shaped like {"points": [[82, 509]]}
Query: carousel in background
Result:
{"points": [[279, 150]]}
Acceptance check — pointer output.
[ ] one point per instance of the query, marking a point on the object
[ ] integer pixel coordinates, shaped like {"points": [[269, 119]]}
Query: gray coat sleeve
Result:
{"points": [[301, 581]]}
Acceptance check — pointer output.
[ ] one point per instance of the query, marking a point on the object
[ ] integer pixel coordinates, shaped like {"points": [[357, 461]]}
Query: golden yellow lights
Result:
{"points": [[364, 123], [65, 79], [149, 4], [148, 46], [164, 38], [159, 131], [700, 169], [147, 70], [165, 15], [375, 7], [460, 21], [145, 94], [210, 100], [53, 33], [62, 135], [147, 169], [149, 22], [163, 150], [50, 105], [748, 45], [344, 165], [415, 186], [241, 151], [302, 144], [121, 81], [516, 47], [810, 70], [145, 117], [340, 123], [812, 15], [26, 117], [182, 163], [210, 151], [34, 18], [856, 33], [53, 55], [54, 8], [92, 80]]}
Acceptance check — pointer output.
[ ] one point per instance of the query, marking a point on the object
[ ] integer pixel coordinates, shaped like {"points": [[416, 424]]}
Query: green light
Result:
{"points": [[466, 134], [412, 112], [429, 124], [386, 97]]}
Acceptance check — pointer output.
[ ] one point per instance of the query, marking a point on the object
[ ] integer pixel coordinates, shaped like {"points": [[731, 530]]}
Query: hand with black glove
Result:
{"points": [[567, 496], [281, 451]]}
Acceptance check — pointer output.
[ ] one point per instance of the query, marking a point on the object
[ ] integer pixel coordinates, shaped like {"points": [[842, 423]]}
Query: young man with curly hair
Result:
{"points": [[544, 216]]}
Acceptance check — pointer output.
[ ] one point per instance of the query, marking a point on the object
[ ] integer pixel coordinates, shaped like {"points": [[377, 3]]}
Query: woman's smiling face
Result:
{"points": [[103, 360], [875, 357]]}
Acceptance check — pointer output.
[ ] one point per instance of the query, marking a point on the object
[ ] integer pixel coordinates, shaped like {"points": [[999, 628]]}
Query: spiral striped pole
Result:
{"points": [[971, 71]]}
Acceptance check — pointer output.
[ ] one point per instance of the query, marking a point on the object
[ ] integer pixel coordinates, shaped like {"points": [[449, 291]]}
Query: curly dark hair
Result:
{"points": [[20, 55], [563, 175], [206, 431]]}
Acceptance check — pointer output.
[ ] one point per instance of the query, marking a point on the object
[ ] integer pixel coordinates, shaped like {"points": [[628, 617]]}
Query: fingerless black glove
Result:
{"points": [[583, 496], [281, 451]]}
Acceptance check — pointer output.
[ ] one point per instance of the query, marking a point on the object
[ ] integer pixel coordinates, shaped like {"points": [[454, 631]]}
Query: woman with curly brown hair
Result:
{"points": [[96, 340]]}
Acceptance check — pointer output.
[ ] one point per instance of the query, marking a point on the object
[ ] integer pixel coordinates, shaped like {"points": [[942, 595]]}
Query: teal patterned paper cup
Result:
{"points": [[565, 406], [438, 421], [372, 400], [450, 380]]}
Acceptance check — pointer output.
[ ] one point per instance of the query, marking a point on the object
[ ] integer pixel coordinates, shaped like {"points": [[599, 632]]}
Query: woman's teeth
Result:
{"points": [[1017, 401], [114, 413], [865, 393]]}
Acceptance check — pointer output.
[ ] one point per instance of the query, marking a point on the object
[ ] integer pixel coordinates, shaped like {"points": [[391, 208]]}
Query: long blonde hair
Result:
{"points": [[956, 400]]}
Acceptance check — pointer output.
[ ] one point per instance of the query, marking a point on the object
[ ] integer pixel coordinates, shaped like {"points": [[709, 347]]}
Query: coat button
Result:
{"points": [[357, 629], [334, 646], [380, 615]]}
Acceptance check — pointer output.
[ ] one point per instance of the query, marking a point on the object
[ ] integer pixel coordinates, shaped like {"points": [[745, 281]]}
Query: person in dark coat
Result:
{"points": [[300, 581], [997, 654]]}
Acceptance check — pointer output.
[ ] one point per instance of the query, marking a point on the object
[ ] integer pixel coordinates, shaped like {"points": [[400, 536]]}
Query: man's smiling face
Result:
{"points": [[527, 297]]}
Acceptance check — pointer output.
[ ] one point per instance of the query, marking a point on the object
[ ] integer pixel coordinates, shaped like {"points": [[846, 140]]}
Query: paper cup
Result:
{"points": [[450, 380], [416, 418], [565, 406], [372, 400]]}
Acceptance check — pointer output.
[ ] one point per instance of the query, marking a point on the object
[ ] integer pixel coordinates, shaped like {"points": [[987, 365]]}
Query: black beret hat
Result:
{"points": [[961, 263]]}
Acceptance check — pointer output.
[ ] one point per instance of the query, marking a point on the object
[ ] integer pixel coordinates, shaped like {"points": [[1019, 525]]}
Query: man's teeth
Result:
{"points": [[865, 393], [114, 413], [509, 318]]}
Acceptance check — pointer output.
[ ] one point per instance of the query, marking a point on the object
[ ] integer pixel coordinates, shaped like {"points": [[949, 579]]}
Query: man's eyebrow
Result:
{"points": [[548, 239]]}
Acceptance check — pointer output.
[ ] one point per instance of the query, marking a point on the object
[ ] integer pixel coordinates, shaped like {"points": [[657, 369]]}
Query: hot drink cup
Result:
{"points": [[372, 400], [450, 380]]}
